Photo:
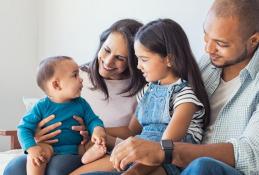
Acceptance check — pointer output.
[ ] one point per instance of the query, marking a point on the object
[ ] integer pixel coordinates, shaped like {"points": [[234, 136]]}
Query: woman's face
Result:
{"points": [[113, 57]]}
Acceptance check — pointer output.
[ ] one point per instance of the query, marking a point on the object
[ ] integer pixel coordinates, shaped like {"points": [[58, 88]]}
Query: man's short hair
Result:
{"points": [[247, 12], [46, 69]]}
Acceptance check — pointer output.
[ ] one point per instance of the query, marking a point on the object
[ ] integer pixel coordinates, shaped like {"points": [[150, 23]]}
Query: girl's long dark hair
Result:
{"points": [[167, 38], [128, 28]]}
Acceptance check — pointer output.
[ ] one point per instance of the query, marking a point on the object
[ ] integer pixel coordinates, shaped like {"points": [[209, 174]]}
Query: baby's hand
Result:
{"points": [[37, 155], [99, 136]]}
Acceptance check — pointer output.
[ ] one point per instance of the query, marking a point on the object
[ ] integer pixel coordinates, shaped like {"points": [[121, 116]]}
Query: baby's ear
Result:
{"points": [[56, 84]]}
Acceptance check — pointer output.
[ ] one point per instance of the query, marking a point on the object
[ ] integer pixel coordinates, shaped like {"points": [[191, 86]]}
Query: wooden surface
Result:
{"points": [[14, 143]]}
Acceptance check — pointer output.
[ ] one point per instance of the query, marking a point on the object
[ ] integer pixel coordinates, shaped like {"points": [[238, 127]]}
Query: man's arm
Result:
{"points": [[184, 153], [150, 153]]}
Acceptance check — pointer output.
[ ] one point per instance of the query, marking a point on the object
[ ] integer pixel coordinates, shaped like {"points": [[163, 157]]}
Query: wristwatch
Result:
{"points": [[168, 147]]}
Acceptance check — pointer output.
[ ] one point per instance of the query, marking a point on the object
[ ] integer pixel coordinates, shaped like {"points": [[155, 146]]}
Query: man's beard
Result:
{"points": [[243, 56]]}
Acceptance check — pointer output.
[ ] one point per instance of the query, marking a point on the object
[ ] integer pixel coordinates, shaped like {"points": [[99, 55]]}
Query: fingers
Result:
{"points": [[117, 155], [103, 142], [125, 153], [36, 161], [46, 120], [48, 129], [85, 136], [79, 128], [42, 159], [51, 141], [47, 137], [79, 120]]}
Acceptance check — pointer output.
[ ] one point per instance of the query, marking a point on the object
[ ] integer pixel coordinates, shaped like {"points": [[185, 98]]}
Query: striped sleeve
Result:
{"points": [[141, 93], [186, 95]]}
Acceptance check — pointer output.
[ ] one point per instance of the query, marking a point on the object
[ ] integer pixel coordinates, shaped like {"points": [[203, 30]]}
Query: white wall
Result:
{"points": [[72, 27], [31, 30], [18, 50]]}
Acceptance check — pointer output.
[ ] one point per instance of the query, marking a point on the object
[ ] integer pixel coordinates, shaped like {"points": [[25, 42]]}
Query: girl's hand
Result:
{"points": [[44, 135], [81, 129]]}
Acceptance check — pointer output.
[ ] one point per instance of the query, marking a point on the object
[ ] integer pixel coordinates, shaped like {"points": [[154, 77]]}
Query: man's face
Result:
{"points": [[224, 42]]}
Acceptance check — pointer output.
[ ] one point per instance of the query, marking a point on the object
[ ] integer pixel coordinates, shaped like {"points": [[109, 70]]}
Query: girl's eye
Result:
{"points": [[142, 59], [106, 50]]}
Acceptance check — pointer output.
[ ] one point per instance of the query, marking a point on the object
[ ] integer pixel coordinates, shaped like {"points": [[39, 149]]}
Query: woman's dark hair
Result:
{"points": [[167, 38], [128, 28]]}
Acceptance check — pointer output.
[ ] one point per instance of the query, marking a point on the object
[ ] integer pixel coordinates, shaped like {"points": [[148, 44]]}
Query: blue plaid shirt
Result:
{"points": [[238, 120]]}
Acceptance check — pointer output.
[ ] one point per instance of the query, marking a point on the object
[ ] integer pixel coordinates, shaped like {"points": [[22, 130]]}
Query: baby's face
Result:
{"points": [[69, 80]]}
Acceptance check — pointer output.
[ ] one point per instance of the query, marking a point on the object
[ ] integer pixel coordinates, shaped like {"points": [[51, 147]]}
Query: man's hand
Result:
{"points": [[136, 150]]}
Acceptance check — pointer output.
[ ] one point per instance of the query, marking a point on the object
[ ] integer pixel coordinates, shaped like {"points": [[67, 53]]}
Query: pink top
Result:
{"points": [[117, 110]]}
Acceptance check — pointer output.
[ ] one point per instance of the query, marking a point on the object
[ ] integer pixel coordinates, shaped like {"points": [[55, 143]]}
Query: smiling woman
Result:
{"points": [[110, 82]]}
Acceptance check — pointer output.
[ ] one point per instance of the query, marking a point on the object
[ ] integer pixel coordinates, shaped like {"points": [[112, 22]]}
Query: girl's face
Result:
{"points": [[153, 66], [113, 57]]}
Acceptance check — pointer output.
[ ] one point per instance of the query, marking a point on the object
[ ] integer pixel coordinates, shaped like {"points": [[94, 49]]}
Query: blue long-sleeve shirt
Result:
{"points": [[68, 140]]}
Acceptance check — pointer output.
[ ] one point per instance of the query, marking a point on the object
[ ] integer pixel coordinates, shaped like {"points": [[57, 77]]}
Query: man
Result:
{"points": [[231, 77]]}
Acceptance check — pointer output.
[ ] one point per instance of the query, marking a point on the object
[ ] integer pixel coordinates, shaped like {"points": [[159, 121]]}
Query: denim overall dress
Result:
{"points": [[153, 114]]}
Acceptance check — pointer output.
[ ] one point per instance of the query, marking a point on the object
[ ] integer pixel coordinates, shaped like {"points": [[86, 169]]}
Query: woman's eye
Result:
{"points": [[121, 58]]}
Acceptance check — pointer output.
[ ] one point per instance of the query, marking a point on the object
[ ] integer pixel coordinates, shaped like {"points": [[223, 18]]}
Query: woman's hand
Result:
{"points": [[136, 150], [81, 129], [44, 135]]}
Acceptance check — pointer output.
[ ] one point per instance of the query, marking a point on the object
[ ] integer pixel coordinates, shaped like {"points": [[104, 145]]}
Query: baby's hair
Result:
{"points": [[46, 69]]}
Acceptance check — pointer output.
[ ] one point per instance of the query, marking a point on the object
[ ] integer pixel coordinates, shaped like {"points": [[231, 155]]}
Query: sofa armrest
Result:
{"points": [[14, 144]]}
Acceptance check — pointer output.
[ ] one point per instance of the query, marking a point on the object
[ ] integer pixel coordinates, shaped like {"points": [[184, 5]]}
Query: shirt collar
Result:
{"points": [[252, 66]]}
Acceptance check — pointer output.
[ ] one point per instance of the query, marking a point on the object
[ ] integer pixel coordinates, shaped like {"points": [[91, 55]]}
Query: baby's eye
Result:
{"points": [[222, 44]]}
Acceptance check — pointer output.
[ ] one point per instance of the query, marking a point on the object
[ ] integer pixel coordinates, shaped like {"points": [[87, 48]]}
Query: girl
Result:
{"points": [[174, 104]]}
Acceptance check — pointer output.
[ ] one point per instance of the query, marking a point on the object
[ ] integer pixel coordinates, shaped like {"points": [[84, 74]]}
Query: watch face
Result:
{"points": [[167, 144]]}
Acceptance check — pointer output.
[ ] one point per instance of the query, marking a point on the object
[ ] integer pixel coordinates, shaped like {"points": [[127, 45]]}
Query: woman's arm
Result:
{"points": [[124, 132]]}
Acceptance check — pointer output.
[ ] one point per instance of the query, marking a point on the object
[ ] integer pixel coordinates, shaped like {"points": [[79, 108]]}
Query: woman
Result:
{"points": [[111, 82]]}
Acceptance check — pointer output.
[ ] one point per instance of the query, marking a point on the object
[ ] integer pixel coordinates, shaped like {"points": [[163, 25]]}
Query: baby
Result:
{"points": [[59, 78]]}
